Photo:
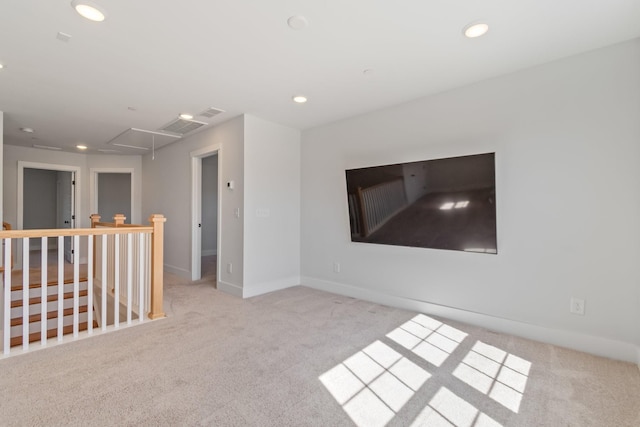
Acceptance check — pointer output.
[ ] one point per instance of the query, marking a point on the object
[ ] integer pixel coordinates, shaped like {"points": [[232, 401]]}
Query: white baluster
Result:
{"points": [[141, 284], [129, 275], [90, 284], [25, 293], [60, 287], [6, 325], [103, 265], [116, 278], [76, 286], [44, 297]]}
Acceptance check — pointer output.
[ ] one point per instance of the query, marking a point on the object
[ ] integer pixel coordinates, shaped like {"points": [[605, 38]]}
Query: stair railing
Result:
{"points": [[62, 306]]}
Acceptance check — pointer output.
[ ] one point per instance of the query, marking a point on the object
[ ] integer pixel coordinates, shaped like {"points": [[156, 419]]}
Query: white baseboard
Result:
{"points": [[209, 252], [587, 343], [186, 274], [230, 288], [266, 287]]}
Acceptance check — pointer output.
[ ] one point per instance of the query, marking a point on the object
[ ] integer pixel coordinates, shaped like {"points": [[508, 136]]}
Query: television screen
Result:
{"points": [[442, 204]]}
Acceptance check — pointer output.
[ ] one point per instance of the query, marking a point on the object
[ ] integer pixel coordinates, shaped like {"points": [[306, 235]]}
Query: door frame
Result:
{"points": [[93, 185], [196, 209], [22, 165]]}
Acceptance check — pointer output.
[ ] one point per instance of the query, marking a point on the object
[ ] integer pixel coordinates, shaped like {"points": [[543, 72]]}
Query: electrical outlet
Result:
{"points": [[336, 267], [229, 268], [577, 306]]}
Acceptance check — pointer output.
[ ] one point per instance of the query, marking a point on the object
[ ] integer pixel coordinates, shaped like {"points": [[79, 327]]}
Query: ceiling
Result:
{"points": [[152, 60]]}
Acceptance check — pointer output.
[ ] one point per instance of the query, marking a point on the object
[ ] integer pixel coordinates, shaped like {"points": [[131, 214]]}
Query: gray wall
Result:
{"points": [[209, 212], [166, 189], [114, 195], [40, 201], [566, 137]]}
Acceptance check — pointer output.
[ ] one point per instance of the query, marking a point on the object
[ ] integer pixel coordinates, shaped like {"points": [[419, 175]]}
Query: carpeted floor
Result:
{"points": [[301, 357]]}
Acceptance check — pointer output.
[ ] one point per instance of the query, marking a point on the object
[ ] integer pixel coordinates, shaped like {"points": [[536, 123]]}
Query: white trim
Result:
{"points": [[196, 200], [599, 346], [20, 207], [229, 288], [93, 188], [177, 271], [266, 287]]}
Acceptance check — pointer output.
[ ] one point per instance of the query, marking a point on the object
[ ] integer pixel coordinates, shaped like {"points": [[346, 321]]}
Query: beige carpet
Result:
{"points": [[301, 357]]}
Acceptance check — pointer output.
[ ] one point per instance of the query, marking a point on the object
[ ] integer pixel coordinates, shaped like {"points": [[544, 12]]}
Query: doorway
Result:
{"points": [[47, 197], [205, 209], [209, 217]]}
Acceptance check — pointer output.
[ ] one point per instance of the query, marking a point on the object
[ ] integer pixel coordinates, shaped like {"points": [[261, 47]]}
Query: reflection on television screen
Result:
{"points": [[442, 204]]}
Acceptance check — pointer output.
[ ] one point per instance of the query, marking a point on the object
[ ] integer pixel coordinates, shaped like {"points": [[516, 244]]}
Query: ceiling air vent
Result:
{"points": [[182, 126], [210, 112]]}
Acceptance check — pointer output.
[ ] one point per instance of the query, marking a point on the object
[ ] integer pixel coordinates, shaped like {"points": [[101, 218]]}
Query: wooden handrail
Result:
{"points": [[16, 234]]}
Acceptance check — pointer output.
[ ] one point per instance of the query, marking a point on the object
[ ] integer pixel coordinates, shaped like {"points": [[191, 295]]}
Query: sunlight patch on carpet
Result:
{"points": [[430, 339], [446, 409], [374, 384], [496, 373]]}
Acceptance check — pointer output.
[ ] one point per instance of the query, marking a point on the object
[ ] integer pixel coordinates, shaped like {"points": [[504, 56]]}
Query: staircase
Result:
{"points": [[114, 280], [54, 311]]}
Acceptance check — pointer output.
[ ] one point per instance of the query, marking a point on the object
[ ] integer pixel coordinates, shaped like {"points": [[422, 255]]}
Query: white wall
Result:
{"points": [[566, 137], [1, 162], [272, 206], [166, 190]]}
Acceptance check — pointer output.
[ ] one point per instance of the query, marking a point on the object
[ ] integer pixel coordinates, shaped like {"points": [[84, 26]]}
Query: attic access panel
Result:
{"points": [[143, 140]]}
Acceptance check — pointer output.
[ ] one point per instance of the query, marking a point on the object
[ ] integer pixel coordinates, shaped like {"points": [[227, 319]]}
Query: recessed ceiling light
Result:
{"points": [[297, 22], [89, 10], [186, 116], [27, 130], [81, 147], [299, 99], [1, 66], [475, 30]]}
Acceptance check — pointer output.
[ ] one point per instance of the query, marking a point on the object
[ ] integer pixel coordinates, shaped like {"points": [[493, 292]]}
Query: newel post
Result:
{"points": [[119, 219], [157, 263], [95, 218]]}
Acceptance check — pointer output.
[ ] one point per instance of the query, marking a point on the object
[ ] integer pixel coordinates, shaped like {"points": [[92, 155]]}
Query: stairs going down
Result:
{"points": [[51, 310]]}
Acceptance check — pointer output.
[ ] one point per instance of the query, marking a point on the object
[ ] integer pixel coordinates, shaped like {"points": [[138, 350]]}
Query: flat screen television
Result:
{"points": [[445, 203]]}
